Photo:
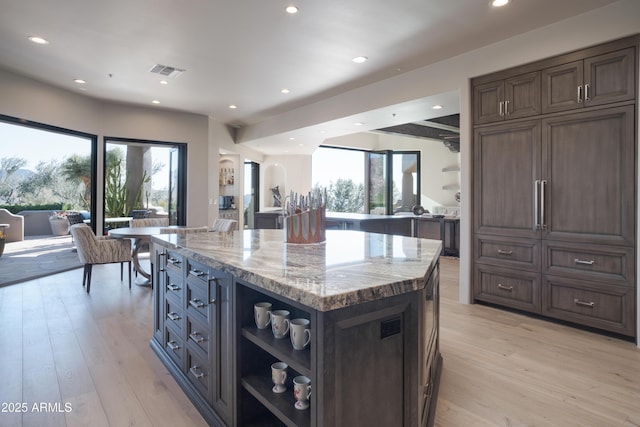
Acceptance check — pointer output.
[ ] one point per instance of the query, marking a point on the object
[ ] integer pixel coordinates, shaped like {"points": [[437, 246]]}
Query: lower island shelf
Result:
{"points": [[373, 355]]}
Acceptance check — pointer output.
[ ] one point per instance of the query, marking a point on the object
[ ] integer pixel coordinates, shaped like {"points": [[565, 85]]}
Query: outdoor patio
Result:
{"points": [[35, 257]]}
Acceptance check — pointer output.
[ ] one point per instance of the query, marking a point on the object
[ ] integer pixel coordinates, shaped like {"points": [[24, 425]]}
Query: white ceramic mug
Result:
{"points": [[279, 376], [280, 323], [262, 314], [300, 333], [302, 392]]}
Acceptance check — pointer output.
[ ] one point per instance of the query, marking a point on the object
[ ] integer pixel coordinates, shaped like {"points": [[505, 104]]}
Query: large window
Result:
{"points": [[46, 167], [144, 175], [357, 181]]}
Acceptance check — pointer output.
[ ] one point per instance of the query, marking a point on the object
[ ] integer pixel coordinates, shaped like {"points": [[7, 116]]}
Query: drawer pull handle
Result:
{"points": [[584, 303], [173, 345], [583, 262], [506, 253], [173, 287], [196, 337], [173, 316], [195, 373], [196, 272], [174, 261], [505, 288], [197, 303]]}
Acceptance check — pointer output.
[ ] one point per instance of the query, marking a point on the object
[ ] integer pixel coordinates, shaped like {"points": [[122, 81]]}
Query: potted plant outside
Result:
{"points": [[59, 224]]}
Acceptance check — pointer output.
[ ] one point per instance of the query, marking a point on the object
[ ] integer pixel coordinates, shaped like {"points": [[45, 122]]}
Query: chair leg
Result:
{"points": [[84, 275], [129, 269], [89, 268], [121, 271]]}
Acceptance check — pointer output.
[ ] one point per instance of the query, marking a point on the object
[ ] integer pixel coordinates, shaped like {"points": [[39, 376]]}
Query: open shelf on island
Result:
{"points": [[300, 360], [281, 405]]}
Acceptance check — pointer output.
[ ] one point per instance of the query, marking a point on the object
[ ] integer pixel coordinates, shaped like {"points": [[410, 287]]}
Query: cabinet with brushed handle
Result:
{"points": [[554, 195]]}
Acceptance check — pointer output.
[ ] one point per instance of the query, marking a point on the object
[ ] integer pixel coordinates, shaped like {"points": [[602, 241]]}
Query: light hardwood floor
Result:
{"points": [[60, 346]]}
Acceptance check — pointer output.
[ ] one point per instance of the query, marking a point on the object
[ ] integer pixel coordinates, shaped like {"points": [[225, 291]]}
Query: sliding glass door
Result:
{"points": [[146, 176]]}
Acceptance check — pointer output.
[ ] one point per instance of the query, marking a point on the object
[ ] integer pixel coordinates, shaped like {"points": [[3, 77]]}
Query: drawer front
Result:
{"points": [[592, 262], [200, 298], [174, 346], [174, 314], [598, 305], [199, 335], [512, 288], [506, 252], [199, 375], [197, 272], [174, 288], [174, 261]]}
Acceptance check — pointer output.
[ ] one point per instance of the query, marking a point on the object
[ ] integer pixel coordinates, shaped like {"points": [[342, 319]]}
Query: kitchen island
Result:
{"points": [[372, 300]]}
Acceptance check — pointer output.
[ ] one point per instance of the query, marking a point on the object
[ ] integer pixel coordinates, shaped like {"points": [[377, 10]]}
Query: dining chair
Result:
{"points": [[94, 249], [221, 224]]}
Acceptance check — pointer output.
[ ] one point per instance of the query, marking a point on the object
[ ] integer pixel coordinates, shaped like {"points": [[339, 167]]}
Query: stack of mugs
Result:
{"points": [[298, 329]]}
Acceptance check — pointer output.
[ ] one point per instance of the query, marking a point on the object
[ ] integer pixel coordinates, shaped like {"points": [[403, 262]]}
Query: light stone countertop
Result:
{"points": [[351, 267]]}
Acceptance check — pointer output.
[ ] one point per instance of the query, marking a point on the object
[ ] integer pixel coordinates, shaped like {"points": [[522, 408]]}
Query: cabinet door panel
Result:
{"points": [[506, 165], [610, 77], [590, 168], [522, 94], [560, 87], [486, 101]]}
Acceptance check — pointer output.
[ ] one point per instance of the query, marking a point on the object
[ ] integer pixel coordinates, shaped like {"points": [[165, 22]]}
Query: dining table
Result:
{"points": [[141, 237]]}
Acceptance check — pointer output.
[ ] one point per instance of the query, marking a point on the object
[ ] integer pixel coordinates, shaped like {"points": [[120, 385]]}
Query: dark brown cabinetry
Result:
{"points": [[193, 331], [595, 80], [509, 98], [554, 196]]}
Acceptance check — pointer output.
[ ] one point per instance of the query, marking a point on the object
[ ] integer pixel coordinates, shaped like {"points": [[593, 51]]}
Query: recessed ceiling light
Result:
{"points": [[79, 81], [164, 82], [155, 101], [291, 138], [360, 59], [284, 91], [437, 107], [233, 107], [38, 40], [292, 9], [358, 124], [498, 3]]}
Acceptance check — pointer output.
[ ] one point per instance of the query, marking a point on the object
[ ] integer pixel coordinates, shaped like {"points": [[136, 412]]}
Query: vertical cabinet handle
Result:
{"points": [[586, 92], [506, 108], [543, 186], [536, 202], [501, 107], [580, 94]]}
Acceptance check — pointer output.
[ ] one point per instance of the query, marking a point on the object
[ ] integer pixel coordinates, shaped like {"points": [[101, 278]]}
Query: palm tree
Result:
{"points": [[79, 168]]}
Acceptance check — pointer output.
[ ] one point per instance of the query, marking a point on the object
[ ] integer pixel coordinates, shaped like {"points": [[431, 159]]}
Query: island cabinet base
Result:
{"points": [[371, 361], [375, 363]]}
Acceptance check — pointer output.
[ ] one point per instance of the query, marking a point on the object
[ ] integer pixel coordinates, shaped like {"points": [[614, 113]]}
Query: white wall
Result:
{"points": [[289, 173], [25, 98]]}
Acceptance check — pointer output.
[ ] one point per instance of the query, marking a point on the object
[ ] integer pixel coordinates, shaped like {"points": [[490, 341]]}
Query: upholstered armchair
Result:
{"points": [[94, 249]]}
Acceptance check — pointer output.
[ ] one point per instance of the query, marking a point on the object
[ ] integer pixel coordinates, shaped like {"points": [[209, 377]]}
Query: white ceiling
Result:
{"points": [[243, 52]]}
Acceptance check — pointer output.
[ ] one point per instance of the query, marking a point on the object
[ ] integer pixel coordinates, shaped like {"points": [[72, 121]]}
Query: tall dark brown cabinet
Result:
{"points": [[554, 193]]}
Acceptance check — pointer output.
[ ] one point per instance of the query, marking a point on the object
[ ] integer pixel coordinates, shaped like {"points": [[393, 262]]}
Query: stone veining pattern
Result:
{"points": [[351, 267]]}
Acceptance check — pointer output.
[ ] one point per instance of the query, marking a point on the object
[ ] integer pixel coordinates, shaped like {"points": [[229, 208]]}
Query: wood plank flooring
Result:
{"points": [[60, 346]]}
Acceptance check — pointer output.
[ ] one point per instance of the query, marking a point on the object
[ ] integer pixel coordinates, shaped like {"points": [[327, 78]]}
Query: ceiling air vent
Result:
{"points": [[165, 70]]}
